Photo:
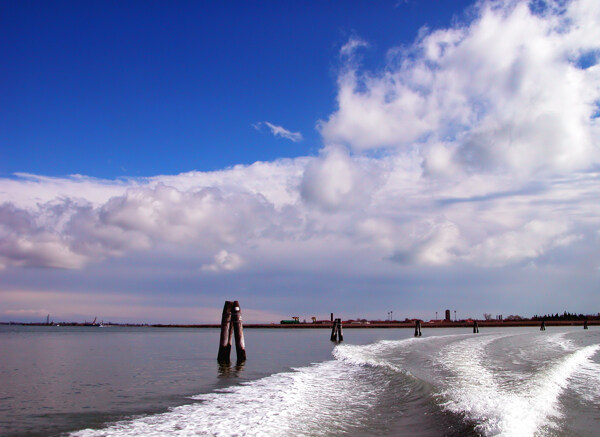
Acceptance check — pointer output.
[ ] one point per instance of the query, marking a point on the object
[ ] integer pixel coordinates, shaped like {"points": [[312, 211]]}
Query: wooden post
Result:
{"points": [[543, 327], [417, 328], [238, 332], [475, 327], [334, 331], [585, 325], [226, 332], [332, 317]]}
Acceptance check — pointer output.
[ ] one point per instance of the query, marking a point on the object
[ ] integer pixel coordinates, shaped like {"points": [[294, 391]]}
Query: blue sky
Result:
{"points": [[143, 88], [159, 158]]}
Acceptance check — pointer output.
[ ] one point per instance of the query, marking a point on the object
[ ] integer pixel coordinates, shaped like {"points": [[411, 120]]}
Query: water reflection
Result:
{"points": [[227, 370]]}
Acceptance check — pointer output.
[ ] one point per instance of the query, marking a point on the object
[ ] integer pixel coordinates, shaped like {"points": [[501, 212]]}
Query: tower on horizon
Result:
{"points": [[447, 319]]}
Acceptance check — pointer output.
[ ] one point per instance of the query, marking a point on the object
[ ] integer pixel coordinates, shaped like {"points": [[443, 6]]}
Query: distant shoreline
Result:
{"points": [[346, 325]]}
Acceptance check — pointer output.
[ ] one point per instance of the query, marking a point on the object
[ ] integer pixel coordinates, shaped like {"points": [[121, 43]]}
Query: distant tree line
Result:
{"points": [[564, 316]]}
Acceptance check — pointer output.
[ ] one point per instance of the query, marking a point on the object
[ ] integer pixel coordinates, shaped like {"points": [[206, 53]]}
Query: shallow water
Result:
{"points": [[147, 381]]}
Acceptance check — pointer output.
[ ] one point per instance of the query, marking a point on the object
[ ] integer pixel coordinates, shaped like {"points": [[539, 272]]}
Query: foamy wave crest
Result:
{"points": [[384, 353], [489, 397], [587, 382], [371, 355], [311, 400], [561, 341]]}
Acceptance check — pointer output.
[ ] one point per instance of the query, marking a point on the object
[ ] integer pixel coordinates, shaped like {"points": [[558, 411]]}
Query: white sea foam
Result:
{"points": [[371, 355], [483, 393], [338, 396], [560, 340], [587, 383], [387, 354], [322, 399]]}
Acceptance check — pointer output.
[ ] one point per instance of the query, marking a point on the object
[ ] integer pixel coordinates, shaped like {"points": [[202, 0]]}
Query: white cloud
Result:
{"points": [[530, 242], [279, 131], [68, 234], [336, 181], [353, 44], [488, 148], [503, 93], [224, 261]]}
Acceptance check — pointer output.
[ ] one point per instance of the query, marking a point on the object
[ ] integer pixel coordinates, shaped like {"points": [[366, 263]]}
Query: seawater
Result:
{"points": [[148, 381]]}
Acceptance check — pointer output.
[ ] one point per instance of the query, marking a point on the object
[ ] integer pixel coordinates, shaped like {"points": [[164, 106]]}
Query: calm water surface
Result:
{"points": [[148, 381]]}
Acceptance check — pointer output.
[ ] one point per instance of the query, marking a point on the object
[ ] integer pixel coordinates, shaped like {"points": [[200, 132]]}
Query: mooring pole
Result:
{"points": [[334, 330], [417, 328], [543, 327], [475, 327], [585, 326], [226, 332], [238, 332]]}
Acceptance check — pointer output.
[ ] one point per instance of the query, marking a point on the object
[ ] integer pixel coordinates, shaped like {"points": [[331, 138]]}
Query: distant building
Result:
{"points": [[447, 315]]}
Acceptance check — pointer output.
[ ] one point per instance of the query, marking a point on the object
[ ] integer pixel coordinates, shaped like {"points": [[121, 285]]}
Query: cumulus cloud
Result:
{"points": [[530, 242], [66, 234], [476, 146], [336, 181], [279, 131], [506, 92]]}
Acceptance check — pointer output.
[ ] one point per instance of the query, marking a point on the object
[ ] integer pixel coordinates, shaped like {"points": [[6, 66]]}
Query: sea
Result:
{"points": [[122, 381]]}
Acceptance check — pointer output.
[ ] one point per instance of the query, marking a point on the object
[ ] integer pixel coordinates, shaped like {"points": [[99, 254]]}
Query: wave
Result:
{"points": [[499, 403], [365, 388], [587, 383], [312, 400]]}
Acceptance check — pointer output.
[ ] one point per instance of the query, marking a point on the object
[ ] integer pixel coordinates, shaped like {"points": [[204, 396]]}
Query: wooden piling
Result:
{"points": [[339, 332], [226, 333], [543, 327], [336, 331], [417, 328], [475, 327], [238, 332], [585, 324]]}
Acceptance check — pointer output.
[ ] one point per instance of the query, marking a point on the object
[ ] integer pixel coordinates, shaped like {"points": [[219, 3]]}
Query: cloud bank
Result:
{"points": [[475, 147]]}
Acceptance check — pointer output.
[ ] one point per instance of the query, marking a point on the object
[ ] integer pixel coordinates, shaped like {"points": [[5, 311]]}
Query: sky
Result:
{"points": [[159, 158]]}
